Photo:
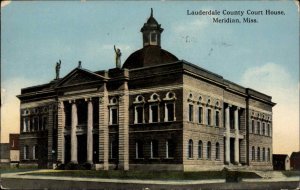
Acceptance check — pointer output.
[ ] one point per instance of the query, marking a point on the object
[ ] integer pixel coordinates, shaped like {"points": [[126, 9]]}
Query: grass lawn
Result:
{"points": [[8, 169], [154, 175], [291, 173]]}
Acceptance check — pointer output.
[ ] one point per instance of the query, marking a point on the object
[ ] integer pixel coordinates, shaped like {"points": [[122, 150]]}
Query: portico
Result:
{"points": [[232, 135]]}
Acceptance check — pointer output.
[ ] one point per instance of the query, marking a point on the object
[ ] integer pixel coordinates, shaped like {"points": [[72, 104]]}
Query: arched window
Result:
{"points": [[191, 112], [217, 118], [268, 129], [190, 149], [208, 150], [113, 111], [200, 114], [170, 106], [139, 109], [253, 153], [208, 119], [258, 154], [258, 127], [170, 148], [200, 149], [263, 129], [263, 154], [154, 108], [217, 151]]}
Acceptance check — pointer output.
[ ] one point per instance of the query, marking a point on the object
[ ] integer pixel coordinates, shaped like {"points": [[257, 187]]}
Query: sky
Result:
{"points": [[263, 56]]}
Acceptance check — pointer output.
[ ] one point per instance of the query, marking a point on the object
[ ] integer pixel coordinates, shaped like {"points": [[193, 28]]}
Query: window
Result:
{"points": [[153, 37], [191, 112], [217, 151], [217, 119], [200, 115], [170, 147], [139, 152], [45, 123], [258, 127], [200, 149], [208, 152], [34, 151], [113, 116], [26, 125], [154, 149], [154, 113], [26, 152], [113, 149], [258, 154], [269, 155], [268, 129], [36, 123], [263, 154], [263, 128], [253, 153], [170, 112], [154, 108], [253, 127], [113, 111], [190, 149], [139, 114], [208, 116]]}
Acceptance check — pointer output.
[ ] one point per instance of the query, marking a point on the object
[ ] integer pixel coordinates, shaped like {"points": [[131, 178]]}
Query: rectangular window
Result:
{"points": [[45, 123], [139, 152], [170, 108], [208, 116], [154, 109], [200, 115], [26, 152], [36, 123], [153, 37], [113, 116], [170, 148], [217, 119], [154, 149], [191, 112], [264, 129], [253, 127], [258, 127], [139, 111]]}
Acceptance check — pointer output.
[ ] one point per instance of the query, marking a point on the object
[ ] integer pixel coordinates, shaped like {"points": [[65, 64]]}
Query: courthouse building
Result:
{"points": [[155, 112]]}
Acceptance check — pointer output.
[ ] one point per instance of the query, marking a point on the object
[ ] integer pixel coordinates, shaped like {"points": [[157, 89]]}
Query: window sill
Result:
{"points": [[190, 158], [154, 158], [170, 158]]}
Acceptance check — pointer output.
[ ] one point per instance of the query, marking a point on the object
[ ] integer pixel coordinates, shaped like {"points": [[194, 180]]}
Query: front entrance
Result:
{"points": [[81, 148]]}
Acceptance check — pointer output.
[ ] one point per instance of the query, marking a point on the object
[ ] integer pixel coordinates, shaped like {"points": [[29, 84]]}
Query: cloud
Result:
{"points": [[4, 3], [10, 105], [275, 80]]}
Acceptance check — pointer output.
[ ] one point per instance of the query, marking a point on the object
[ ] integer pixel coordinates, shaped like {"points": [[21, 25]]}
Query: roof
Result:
{"points": [[149, 56], [280, 156], [295, 155]]}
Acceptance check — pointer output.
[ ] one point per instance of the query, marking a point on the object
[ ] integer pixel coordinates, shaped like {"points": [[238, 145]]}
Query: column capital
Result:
{"points": [[88, 99], [229, 105], [72, 101], [237, 108]]}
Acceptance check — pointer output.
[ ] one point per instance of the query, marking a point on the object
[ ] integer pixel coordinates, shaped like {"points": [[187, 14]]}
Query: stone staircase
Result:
{"points": [[270, 174]]}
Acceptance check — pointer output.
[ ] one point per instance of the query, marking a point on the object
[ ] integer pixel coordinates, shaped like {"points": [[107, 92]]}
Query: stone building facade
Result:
{"points": [[156, 112]]}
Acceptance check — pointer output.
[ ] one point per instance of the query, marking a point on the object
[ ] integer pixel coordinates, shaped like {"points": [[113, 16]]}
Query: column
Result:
{"points": [[60, 133], [90, 131], [124, 129], [166, 113], [103, 129], [73, 133], [227, 137], [50, 136], [236, 141]]}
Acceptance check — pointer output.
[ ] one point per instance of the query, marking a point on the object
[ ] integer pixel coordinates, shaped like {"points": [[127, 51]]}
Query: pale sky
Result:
{"points": [[263, 56]]}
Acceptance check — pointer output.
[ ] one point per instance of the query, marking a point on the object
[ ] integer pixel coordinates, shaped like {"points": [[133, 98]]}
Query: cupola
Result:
{"points": [[151, 31]]}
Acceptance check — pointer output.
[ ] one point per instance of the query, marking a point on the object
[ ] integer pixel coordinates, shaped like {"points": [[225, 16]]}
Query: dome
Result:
{"points": [[149, 56]]}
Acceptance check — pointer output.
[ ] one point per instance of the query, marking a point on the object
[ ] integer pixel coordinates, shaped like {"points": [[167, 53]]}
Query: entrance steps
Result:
{"points": [[270, 174]]}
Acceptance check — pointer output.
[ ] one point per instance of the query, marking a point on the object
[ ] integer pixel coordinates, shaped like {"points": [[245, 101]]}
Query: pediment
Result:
{"points": [[79, 77]]}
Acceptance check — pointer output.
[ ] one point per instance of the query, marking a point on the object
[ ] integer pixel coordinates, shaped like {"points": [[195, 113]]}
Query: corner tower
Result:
{"points": [[151, 31]]}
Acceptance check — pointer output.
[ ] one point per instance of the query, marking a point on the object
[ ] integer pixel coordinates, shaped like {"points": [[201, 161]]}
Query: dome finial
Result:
{"points": [[151, 13]]}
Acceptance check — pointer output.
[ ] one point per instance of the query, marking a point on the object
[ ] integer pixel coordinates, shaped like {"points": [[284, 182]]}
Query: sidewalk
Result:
{"points": [[22, 175]]}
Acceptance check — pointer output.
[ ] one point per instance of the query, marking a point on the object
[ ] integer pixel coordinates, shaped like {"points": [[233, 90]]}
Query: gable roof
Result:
{"points": [[295, 155], [79, 76]]}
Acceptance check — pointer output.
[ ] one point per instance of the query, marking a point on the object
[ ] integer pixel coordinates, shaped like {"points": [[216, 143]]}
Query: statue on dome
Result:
{"points": [[57, 69], [118, 57]]}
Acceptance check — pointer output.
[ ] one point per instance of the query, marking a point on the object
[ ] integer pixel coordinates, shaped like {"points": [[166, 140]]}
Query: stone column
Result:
{"points": [[73, 133], [103, 129], [166, 113], [90, 131], [50, 136], [227, 137], [236, 141], [124, 129], [60, 132]]}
